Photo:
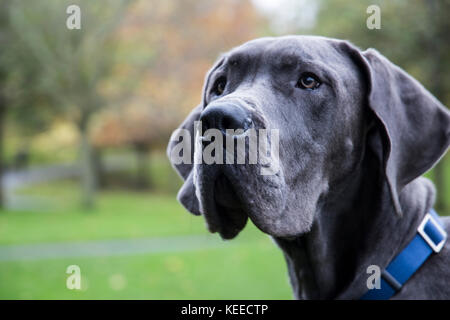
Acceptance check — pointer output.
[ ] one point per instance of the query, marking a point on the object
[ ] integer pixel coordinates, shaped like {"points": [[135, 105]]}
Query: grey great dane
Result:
{"points": [[356, 133]]}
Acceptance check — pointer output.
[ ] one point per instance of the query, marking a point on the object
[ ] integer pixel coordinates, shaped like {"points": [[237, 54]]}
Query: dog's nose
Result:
{"points": [[225, 116]]}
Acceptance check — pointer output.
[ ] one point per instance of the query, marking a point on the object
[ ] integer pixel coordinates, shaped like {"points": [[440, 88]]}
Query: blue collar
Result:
{"points": [[430, 238]]}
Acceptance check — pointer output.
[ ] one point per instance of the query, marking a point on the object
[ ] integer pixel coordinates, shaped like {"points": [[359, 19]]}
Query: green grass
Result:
{"points": [[242, 271], [232, 271], [117, 215]]}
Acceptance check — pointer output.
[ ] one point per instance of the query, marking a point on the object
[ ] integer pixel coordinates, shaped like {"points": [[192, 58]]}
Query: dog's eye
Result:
{"points": [[308, 81], [219, 86]]}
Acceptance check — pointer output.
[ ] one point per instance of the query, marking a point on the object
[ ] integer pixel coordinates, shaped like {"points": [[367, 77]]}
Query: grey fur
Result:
{"points": [[349, 193]]}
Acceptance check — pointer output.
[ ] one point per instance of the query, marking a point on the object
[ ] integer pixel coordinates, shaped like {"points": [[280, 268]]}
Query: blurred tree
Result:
{"points": [[175, 43], [19, 86], [167, 48], [25, 95], [71, 63], [438, 74], [4, 40], [138, 125]]}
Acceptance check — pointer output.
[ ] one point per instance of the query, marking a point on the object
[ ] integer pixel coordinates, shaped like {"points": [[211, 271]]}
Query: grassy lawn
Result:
{"points": [[233, 271], [244, 271], [117, 215]]}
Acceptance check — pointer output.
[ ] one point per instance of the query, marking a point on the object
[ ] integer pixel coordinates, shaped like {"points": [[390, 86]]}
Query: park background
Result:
{"points": [[85, 116]]}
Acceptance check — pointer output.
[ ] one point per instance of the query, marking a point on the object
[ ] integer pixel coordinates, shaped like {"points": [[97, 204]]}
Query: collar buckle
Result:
{"points": [[431, 231]]}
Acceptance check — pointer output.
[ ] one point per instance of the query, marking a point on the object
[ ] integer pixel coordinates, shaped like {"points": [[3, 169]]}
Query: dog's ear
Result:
{"points": [[180, 151], [414, 126]]}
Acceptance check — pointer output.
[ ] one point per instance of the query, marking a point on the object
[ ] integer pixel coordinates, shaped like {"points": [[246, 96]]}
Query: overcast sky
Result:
{"points": [[287, 15]]}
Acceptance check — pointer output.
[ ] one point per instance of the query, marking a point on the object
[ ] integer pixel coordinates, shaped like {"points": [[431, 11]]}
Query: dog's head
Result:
{"points": [[317, 105]]}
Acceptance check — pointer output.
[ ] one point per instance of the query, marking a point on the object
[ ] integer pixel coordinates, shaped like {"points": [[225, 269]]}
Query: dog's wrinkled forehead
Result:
{"points": [[284, 52]]}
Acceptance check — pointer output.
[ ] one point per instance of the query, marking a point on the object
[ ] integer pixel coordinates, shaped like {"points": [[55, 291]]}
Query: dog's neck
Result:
{"points": [[354, 228]]}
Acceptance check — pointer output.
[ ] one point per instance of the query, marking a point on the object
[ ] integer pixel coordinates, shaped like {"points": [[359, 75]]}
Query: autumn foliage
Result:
{"points": [[166, 48]]}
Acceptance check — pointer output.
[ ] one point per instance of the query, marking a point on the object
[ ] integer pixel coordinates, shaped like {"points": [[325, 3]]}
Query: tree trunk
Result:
{"points": [[88, 176], [435, 75], [99, 169], [2, 129]]}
